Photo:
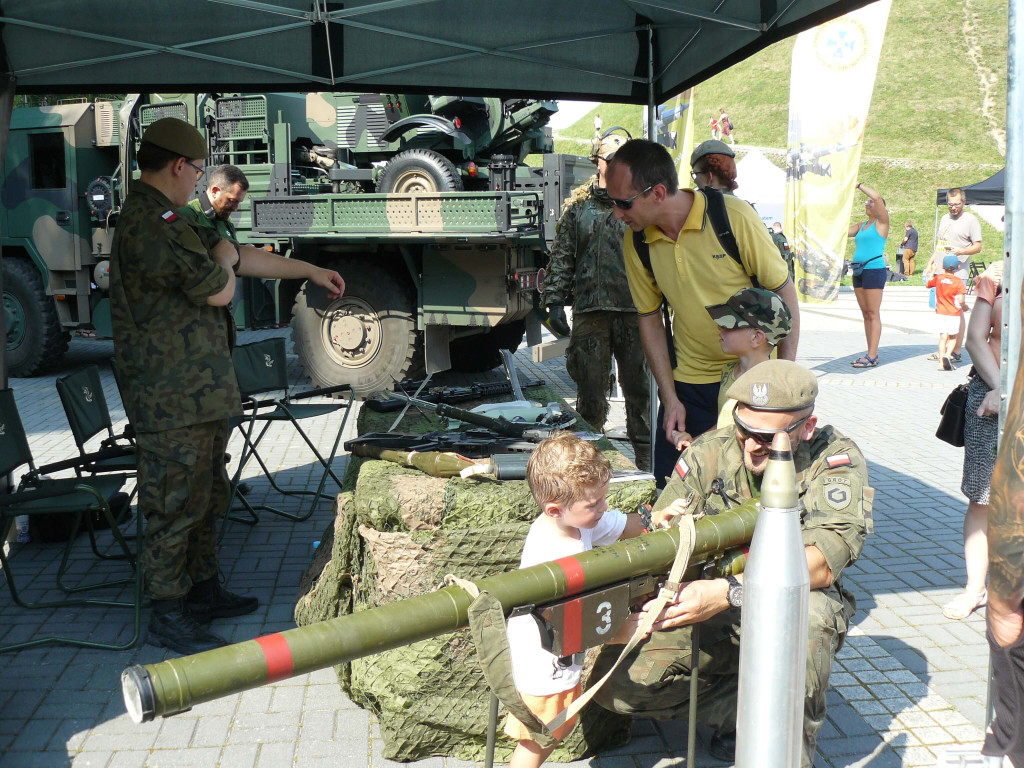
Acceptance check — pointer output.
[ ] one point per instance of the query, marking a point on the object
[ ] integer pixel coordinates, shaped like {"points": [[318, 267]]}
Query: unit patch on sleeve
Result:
{"points": [[682, 468], [837, 492]]}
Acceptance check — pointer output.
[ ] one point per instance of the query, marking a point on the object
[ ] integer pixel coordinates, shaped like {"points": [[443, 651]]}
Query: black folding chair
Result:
{"points": [[77, 497], [81, 394], [261, 367]]}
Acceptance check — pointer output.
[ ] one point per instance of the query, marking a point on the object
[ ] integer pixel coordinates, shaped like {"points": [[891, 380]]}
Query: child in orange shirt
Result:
{"points": [[950, 304]]}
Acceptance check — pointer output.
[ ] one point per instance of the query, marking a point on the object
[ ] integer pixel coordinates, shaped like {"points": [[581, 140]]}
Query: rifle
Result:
{"points": [[520, 430], [449, 395]]}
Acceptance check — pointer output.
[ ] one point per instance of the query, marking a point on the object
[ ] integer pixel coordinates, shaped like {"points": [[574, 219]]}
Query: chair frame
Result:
{"points": [[33, 488], [274, 409]]}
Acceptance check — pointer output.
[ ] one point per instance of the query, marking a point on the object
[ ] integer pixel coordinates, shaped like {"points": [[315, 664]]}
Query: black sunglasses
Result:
{"points": [[628, 202], [762, 437]]}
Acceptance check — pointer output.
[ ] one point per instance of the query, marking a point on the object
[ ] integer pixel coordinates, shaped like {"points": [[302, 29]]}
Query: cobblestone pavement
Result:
{"points": [[908, 686]]}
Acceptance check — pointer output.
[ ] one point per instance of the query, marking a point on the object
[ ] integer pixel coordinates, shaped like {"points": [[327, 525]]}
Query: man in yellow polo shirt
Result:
{"points": [[691, 271]]}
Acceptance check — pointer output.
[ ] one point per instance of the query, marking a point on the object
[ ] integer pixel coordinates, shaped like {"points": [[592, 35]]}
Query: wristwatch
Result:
{"points": [[735, 594]]}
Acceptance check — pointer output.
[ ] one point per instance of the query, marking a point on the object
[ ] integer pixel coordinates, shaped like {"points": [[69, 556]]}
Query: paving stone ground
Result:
{"points": [[908, 688]]}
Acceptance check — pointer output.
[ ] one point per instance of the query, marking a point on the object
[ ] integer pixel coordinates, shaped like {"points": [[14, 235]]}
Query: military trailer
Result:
{"points": [[423, 204]]}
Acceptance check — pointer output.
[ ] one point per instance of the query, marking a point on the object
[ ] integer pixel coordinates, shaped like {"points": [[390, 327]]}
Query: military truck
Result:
{"points": [[423, 204]]}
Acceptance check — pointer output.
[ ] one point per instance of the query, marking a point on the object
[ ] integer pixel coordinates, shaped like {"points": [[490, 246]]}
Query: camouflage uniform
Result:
{"points": [[586, 264], [174, 362], [832, 481]]}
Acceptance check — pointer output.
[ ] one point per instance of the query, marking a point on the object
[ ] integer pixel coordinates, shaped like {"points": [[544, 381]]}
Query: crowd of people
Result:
{"points": [[720, 333]]}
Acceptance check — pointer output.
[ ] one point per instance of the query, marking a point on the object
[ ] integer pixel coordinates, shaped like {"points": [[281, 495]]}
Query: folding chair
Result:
{"points": [[81, 394], [261, 367], [38, 496]]}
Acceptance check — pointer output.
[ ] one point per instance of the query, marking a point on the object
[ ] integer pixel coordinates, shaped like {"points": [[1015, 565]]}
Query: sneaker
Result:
{"points": [[208, 600], [963, 605], [956, 357], [177, 630], [723, 746]]}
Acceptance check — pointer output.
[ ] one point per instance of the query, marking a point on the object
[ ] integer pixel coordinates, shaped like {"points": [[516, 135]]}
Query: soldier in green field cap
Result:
{"points": [[169, 292], [722, 469], [587, 268]]}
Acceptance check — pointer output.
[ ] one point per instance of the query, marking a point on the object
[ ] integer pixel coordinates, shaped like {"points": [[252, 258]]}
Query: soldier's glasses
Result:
{"points": [[628, 202], [764, 437], [199, 171]]}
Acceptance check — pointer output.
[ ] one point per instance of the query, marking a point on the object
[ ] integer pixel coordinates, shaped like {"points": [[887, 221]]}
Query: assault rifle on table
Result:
{"points": [[534, 431], [449, 395], [446, 454]]}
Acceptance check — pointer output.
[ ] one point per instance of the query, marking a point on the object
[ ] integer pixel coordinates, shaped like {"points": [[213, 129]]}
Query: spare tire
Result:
{"points": [[419, 170]]}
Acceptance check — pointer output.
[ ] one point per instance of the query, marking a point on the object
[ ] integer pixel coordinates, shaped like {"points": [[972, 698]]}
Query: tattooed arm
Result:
{"points": [[1006, 524]]}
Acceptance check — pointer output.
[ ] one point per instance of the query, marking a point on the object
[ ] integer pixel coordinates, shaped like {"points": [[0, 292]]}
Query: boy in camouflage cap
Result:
{"points": [[752, 323]]}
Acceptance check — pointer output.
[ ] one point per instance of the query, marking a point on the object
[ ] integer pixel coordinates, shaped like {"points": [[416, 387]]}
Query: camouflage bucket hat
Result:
{"points": [[755, 308], [176, 136], [775, 385]]}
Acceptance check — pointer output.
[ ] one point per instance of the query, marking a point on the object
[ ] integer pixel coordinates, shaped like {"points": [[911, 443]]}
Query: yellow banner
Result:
{"points": [[674, 131], [833, 75]]}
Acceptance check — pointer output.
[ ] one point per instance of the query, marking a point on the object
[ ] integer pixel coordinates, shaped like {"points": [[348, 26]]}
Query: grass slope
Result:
{"points": [[939, 98]]}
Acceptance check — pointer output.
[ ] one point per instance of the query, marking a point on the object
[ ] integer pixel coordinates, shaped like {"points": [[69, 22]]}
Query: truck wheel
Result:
{"points": [[362, 339], [472, 354], [35, 339], [419, 170]]}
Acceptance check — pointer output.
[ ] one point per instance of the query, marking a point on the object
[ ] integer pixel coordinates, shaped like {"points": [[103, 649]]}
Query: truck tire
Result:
{"points": [[472, 354], [35, 339], [362, 339], [419, 170]]}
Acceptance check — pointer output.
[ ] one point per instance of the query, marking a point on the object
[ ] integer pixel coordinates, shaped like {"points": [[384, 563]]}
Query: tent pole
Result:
{"points": [[652, 385], [6, 106], [1013, 235]]}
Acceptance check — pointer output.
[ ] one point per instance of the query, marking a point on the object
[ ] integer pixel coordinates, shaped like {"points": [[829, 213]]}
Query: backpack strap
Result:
{"points": [[643, 252], [719, 216]]}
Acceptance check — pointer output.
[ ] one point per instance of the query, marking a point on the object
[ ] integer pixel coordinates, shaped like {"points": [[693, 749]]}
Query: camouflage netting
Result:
{"points": [[397, 534]]}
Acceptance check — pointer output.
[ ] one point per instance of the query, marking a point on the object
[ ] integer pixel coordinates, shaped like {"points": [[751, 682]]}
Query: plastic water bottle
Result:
{"points": [[22, 522]]}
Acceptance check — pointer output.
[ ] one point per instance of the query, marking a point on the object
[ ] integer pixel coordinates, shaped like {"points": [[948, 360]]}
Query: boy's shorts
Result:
{"points": [[947, 324], [545, 708]]}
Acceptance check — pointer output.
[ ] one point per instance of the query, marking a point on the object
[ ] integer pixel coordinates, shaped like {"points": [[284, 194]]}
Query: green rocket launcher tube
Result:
{"points": [[176, 685]]}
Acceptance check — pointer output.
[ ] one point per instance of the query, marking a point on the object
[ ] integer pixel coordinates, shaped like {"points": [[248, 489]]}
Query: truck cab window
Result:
{"points": [[47, 152]]}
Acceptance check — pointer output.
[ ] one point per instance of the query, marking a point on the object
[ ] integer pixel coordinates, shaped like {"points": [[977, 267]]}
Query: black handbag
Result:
{"points": [[954, 415]]}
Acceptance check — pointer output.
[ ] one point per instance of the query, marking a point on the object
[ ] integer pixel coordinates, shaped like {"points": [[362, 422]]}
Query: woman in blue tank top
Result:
{"points": [[869, 270]]}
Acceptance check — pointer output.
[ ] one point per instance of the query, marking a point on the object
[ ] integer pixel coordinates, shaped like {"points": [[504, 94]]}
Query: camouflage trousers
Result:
{"points": [[596, 337], [183, 492], [654, 681]]}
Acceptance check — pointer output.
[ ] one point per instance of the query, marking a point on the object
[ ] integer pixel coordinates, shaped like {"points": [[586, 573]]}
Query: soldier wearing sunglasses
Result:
{"points": [[690, 269], [722, 469]]}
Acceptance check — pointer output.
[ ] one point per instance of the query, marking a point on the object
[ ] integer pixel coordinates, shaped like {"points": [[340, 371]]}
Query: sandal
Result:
{"points": [[963, 605], [865, 362], [933, 356]]}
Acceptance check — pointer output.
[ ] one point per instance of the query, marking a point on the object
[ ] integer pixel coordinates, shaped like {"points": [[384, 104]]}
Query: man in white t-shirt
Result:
{"points": [[959, 233], [569, 481]]}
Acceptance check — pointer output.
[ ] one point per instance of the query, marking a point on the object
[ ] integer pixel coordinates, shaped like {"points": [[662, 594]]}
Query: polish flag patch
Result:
{"points": [[839, 460], [170, 217], [682, 469]]}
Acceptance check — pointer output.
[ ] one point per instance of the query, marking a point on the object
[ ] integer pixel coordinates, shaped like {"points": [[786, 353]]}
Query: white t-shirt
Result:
{"points": [[537, 672]]}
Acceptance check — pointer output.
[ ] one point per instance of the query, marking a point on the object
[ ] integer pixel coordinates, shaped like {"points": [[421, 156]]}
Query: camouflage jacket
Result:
{"points": [[586, 258], [832, 481], [224, 230], [172, 348]]}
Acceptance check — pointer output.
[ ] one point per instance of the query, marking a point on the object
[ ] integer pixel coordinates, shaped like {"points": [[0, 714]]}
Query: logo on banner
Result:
{"points": [[843, 44]]}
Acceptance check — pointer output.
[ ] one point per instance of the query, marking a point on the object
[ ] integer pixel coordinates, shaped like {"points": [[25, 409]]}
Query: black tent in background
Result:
{"points": [[987, 192]]}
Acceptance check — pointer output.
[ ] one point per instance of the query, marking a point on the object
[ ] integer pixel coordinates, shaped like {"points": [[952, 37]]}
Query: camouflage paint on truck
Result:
{"points": [[436, 275]]}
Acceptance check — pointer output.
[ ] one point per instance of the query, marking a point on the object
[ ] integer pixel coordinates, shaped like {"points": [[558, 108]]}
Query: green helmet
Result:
{"points": [[755, 308]]}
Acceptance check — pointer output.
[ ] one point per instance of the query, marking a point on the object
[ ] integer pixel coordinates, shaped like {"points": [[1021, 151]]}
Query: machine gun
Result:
{"points": [[449, 395], [176, 685], [520, 430]]}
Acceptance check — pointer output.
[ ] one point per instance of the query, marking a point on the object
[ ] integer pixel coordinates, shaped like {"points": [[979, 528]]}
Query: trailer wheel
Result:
{"points": [[35, 339], [419, 170], [472, 354], [362, 339]]}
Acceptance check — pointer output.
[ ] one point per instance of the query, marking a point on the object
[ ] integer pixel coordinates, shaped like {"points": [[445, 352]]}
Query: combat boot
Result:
{"points": [[723, 746], [171, 627], [208, 600]]}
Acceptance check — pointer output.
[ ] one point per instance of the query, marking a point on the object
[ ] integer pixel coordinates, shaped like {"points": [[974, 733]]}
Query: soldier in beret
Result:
{"points": [[722, 469], [587, 269], [713, 164], [169, 294]]}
